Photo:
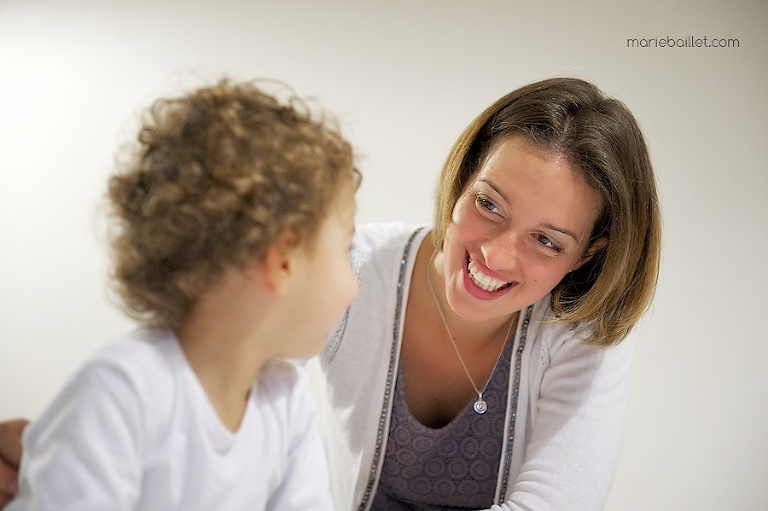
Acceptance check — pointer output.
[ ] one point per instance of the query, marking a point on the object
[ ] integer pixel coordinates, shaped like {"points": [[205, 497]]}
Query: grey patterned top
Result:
{"points": [[451, 468]]}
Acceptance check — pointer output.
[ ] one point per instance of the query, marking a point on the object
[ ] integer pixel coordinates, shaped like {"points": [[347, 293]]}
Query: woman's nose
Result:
{"points": [[501, 251]]}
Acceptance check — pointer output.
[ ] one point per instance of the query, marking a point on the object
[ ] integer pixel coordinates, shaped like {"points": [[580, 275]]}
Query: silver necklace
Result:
{"points": [[480, 405]]}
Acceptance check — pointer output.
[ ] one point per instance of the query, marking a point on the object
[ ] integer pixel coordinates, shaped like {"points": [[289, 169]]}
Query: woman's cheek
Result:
{"points": [[462, 212]]}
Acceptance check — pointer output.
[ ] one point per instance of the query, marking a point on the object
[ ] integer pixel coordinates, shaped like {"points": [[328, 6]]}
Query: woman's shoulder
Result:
{"points": [[385, 244], [385, 234], [558, 338]]}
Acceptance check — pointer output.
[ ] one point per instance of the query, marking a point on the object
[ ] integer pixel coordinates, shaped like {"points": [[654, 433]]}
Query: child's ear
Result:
{"points": [[593, 249], [279, 262]]}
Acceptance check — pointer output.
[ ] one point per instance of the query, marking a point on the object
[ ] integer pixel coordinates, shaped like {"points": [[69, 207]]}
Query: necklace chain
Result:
{"points": [[480, 405]]}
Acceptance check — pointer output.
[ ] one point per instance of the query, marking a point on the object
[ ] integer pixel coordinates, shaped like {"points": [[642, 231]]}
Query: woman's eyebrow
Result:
{"points": [[548, 226], [495, 188], [564, 231]]}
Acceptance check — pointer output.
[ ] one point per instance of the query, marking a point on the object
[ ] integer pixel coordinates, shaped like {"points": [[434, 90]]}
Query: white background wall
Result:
{"points": [[404, 77]]}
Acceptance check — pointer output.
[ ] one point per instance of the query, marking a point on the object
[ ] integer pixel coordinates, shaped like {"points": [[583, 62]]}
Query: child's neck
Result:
{"points": [[220, 340], [226, 368]]}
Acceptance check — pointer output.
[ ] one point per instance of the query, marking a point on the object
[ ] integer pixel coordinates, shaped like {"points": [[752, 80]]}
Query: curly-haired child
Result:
{"points": [[232, 223]]}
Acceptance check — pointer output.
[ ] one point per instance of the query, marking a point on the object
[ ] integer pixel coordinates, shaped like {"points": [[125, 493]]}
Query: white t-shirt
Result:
{"points": [[134, 430]]}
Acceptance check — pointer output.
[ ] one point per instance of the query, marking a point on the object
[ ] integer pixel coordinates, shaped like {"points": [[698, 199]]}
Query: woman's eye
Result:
{"points": [[485, 203], [544, 240]]}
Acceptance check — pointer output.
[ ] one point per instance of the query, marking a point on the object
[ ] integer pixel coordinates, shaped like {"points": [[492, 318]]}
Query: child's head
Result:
{"points": [[217, 177]]}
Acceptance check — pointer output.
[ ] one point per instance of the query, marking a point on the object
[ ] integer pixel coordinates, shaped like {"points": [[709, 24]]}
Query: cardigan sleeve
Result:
{"points": [[576, 429]]}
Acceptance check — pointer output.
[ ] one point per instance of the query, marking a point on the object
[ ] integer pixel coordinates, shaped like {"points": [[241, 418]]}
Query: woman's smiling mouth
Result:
{"points": [[483, 281]]}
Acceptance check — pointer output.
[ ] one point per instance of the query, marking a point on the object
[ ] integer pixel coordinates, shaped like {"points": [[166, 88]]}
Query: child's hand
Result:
{"points": [[10, 455]]}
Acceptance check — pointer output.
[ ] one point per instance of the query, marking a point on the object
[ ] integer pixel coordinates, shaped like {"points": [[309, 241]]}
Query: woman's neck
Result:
{"points": [[478, 334]]}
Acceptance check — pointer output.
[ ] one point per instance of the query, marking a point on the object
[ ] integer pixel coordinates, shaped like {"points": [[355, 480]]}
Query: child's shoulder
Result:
{"points": [[282, 382], [139, 348], [280, 373], [141, 360], [124, 380]]}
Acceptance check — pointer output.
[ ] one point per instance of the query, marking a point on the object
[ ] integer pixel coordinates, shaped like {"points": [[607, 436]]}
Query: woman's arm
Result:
{"points": [[10, 455], [576, 431]]}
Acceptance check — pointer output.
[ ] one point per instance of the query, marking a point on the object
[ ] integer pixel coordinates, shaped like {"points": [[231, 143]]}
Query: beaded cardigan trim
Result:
{"points": [[390, 382]]}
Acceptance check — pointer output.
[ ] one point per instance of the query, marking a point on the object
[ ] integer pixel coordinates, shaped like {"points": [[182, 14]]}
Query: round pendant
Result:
{"points": [[480, 406]]}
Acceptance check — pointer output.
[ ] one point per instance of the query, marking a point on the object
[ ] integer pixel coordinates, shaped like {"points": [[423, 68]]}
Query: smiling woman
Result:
{"points": [[546, 222], [524, 221]]}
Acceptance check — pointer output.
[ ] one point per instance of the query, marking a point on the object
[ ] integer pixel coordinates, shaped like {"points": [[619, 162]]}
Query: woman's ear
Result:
{"points": [[596, 246]]}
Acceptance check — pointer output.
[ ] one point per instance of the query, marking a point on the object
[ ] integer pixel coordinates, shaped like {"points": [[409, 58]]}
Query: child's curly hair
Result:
{"points": [[217, 176]]}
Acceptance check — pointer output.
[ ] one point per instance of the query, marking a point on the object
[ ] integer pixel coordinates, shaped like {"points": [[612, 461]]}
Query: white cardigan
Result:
{"points": [[566, 407]]}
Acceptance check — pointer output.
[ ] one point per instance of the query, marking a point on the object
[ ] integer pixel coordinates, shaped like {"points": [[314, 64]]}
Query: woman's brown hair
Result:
{"points": [[602, 140]]}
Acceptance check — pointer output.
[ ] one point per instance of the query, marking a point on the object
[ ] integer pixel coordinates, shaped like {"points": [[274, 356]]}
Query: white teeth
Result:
{"points": [[483, 281]]}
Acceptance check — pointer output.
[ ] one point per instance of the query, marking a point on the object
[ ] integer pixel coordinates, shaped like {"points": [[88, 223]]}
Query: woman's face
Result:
{"points": [[520, 225]]}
